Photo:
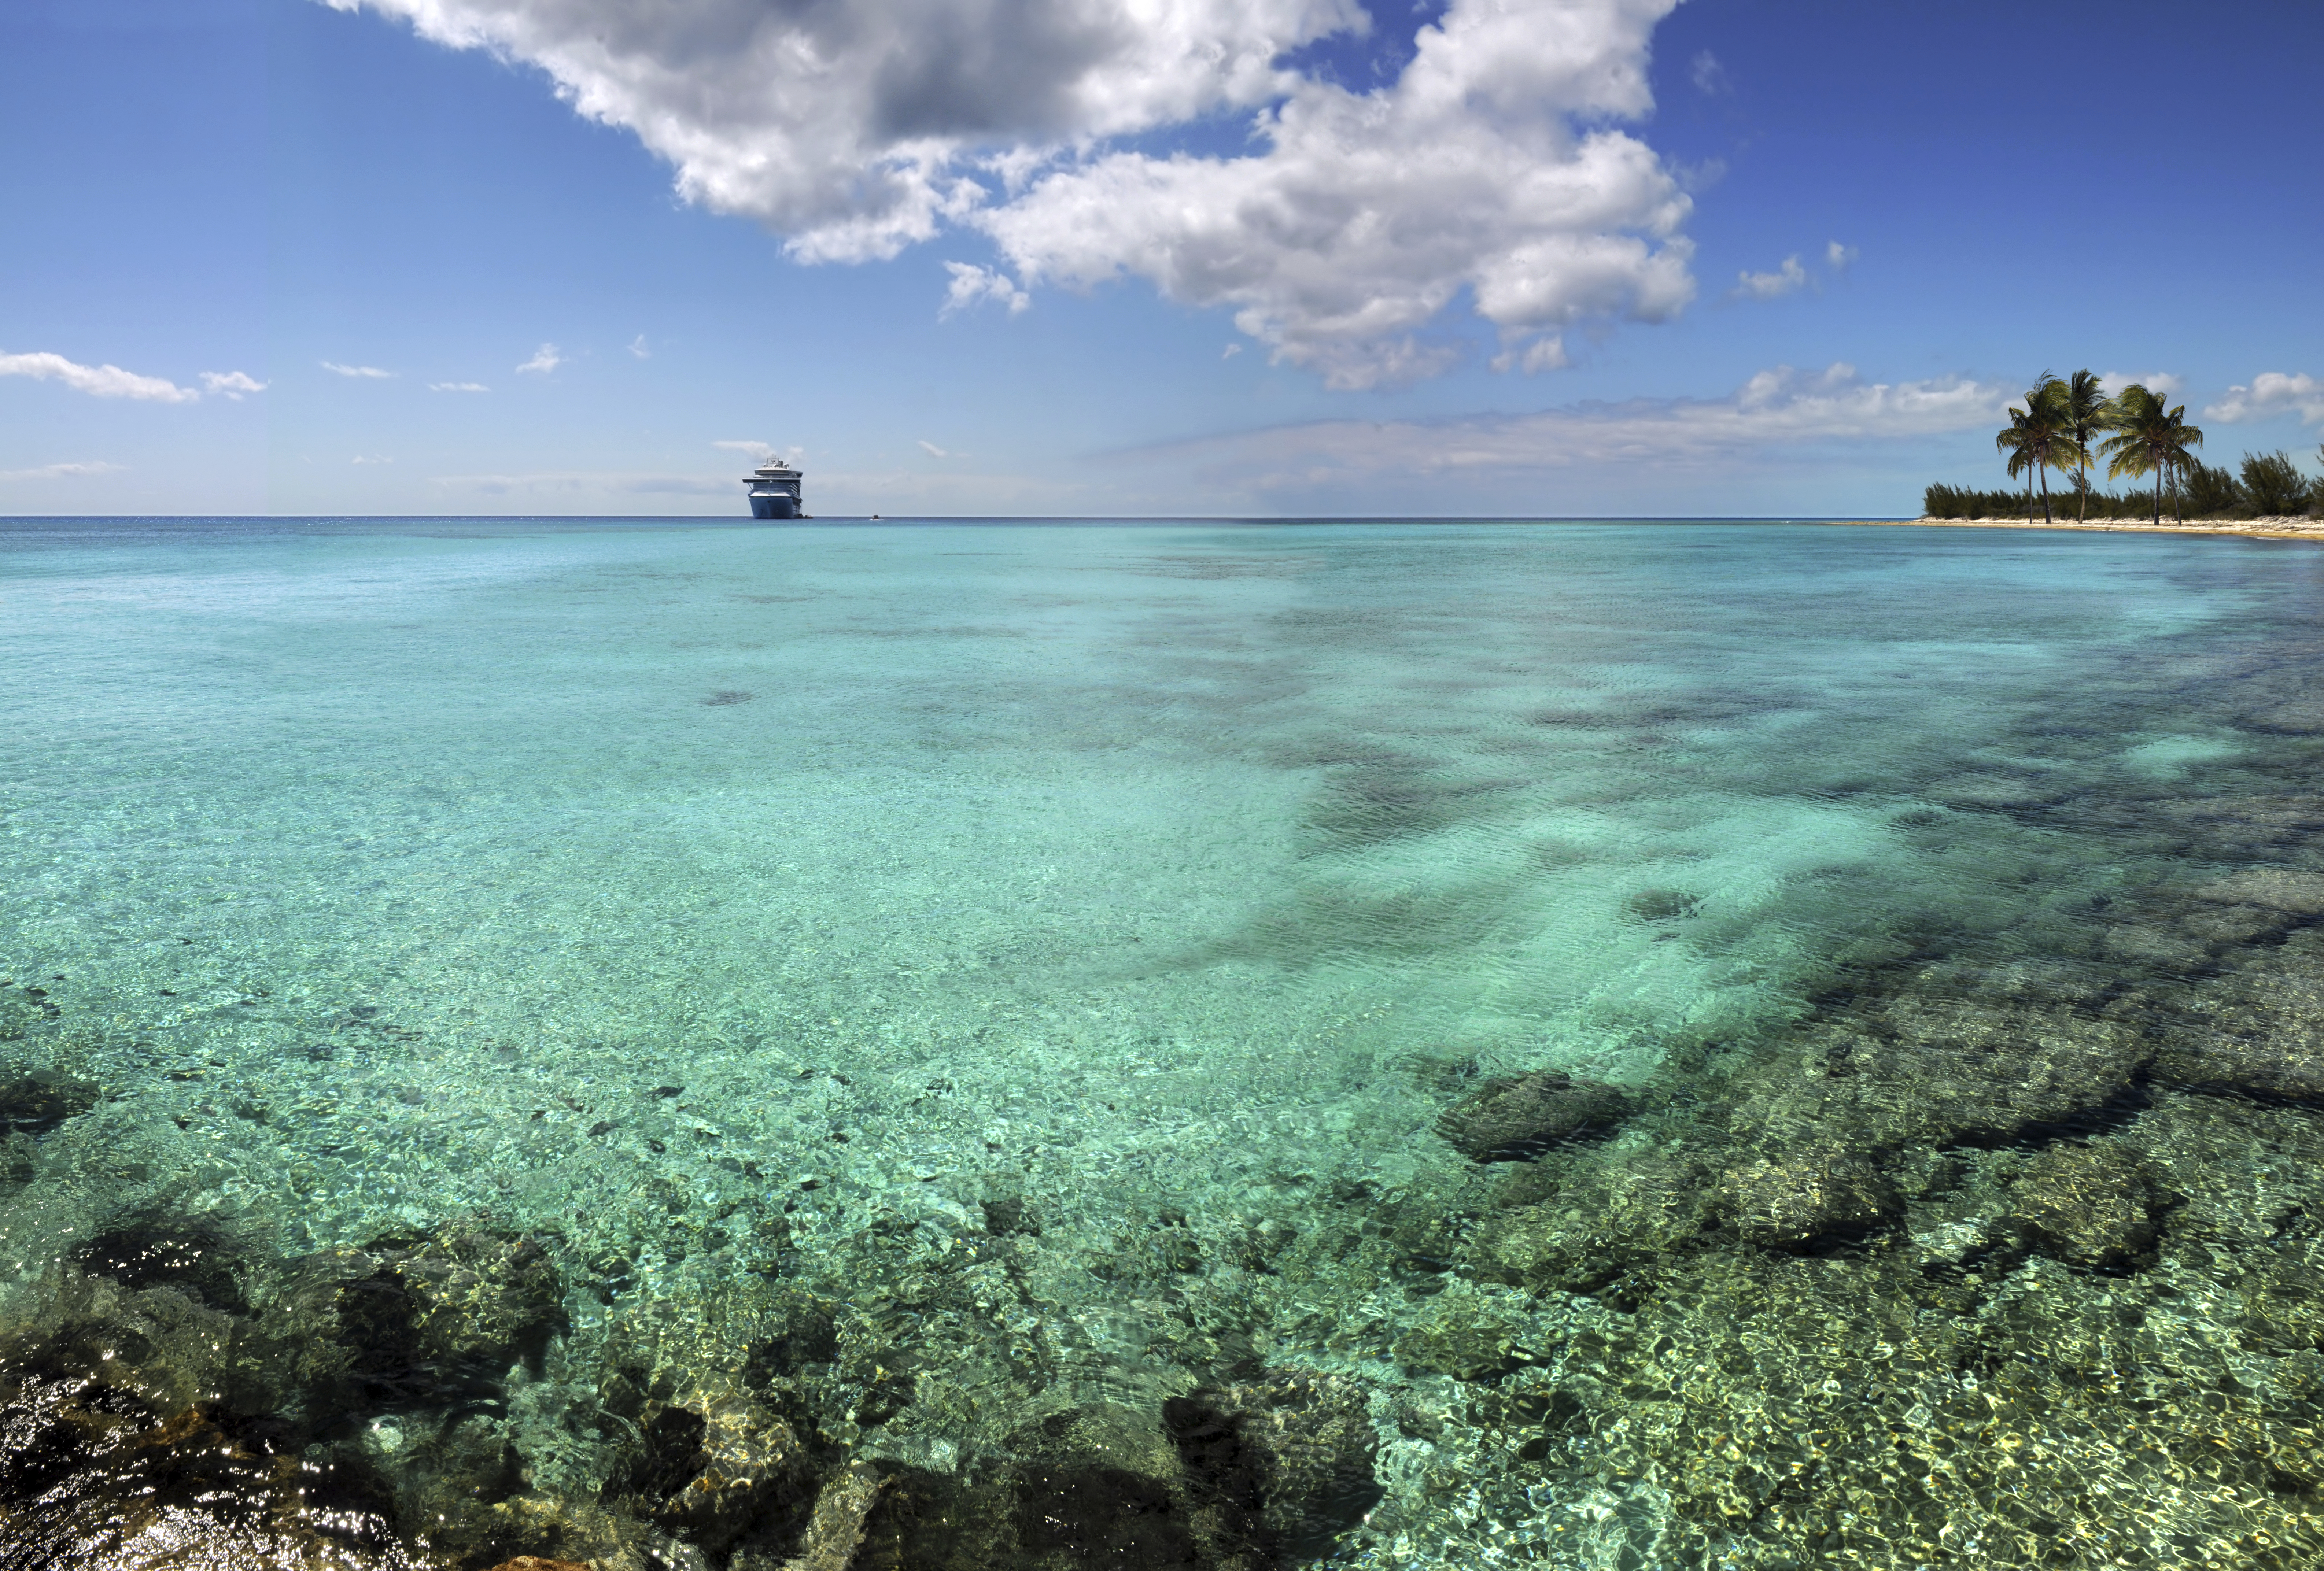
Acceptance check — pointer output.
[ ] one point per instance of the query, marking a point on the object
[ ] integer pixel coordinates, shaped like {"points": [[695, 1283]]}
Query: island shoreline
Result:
{"points": [[2272, 529]]}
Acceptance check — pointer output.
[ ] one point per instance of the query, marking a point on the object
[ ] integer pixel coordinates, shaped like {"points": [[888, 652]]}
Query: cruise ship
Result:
{"points": [[775, 491]]}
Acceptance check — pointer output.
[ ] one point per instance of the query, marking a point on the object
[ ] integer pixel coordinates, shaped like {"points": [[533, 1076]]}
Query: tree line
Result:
{"points": [[2068, 423]]}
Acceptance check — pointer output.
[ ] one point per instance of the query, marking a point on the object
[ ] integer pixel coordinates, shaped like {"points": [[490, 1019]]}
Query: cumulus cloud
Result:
{"points": [[971, 283], [933, 451], [1366, 215], [369, 373], [232, 384], [363, 458], [1837, 256], [62, 471], [457, 387], [759, 450], [638, 348], [544, 360], [2271, 393], [1709, 77], [103, 381], [1768, 286], [1489, 167], [1779, 409]]}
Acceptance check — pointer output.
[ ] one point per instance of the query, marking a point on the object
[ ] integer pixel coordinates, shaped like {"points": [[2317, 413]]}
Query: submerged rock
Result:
{"points": [[143, 1423], [1808, 1196], [2093, 1206], [1468, 1334], [2260, 1031], [1936, 1068], [443, 1314], [37, 1101], [837, 1526], [1610, 1217], [158, 1251], [1516, 1118], [1276, 1469], [2284, 1300], [715, 1468]]}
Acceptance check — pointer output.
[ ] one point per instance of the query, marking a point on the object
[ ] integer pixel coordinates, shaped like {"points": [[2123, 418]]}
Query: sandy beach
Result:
{"points": [[2273, 528]]}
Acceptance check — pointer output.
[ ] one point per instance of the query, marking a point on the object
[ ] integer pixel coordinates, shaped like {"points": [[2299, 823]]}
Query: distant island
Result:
{"points": [[2068, 424]]}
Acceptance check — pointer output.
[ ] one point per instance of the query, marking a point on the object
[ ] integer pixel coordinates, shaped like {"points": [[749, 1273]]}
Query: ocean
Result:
{"points": [[1058, 1044]]}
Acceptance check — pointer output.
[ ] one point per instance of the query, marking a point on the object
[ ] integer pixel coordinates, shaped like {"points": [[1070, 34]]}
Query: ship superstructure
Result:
{"points": [[775, 491]]}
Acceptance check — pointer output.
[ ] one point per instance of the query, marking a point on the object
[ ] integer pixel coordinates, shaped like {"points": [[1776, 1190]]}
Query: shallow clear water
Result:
{"points": [[916, 1002]]}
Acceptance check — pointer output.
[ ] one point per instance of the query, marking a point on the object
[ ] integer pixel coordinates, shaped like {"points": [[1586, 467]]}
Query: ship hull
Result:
{"points": [[773, 507]]}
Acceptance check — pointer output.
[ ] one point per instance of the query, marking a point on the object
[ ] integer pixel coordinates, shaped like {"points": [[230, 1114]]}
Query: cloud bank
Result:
{"points": [[1778, 408], [1491, 166], [2272, 392]]}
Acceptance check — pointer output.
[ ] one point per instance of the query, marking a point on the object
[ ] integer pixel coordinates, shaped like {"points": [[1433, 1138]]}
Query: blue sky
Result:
{"points": [[1020, 257]]}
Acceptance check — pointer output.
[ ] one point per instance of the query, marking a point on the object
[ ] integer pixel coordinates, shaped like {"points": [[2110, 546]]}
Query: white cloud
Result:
{"points": [[1541, 354], [1837, 256], [360, 458], [1777, 410], [639, 348], [1366, 215], [103, 381], [2160, 383], [1709, 77], [933, 451], [62, 471], [371, 373], [1231, 351], [232, 384], [2272, 392], [758, 450], [847, 127], [1489, 167], [971, 283], [1768, 286], [544, 360], [457, 387]]}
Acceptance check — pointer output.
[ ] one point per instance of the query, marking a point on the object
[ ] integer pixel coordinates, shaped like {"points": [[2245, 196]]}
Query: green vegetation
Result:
{"points": [[2148, 439], [2036, 437], [2085, 409], [2138, 435]]}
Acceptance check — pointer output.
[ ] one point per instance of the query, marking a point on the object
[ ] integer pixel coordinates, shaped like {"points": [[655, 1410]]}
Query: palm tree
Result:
{"points": [[2148, 439], [2085, 407], [2035, 438]]}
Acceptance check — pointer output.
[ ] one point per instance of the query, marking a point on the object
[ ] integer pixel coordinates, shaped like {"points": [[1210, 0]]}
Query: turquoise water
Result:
{"points": [[817, 1032]]}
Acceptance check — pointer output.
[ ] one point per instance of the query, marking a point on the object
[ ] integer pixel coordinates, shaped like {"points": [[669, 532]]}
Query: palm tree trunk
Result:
{"points": [[2045, 496], [2082, 490], [2158, 496]]}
